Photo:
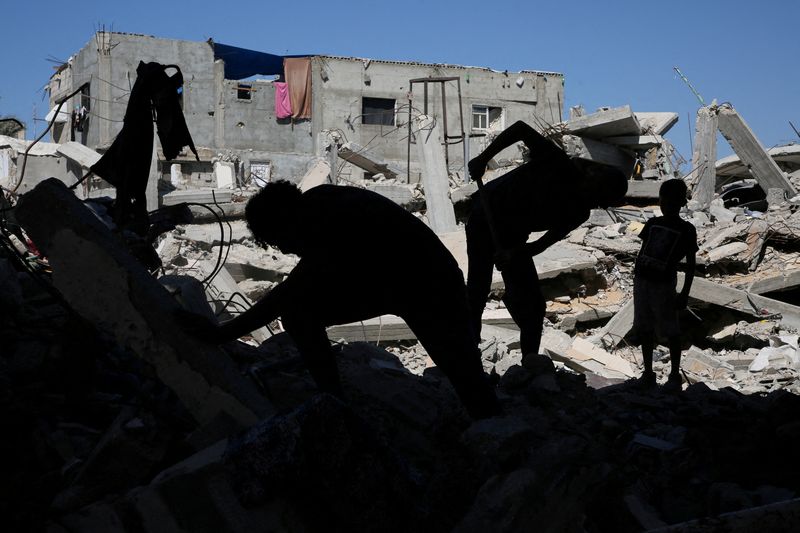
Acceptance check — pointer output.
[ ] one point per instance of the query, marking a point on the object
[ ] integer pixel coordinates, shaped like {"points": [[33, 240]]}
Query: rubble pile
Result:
{"points": [[117, 420]]}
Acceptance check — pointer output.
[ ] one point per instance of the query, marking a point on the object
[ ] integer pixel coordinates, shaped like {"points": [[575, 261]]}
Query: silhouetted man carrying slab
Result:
{"points": [[551, 193], [361, 256]]}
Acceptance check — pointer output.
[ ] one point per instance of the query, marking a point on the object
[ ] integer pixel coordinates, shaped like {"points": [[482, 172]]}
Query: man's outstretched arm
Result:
{"points": [[518, 131], [263, 312]]}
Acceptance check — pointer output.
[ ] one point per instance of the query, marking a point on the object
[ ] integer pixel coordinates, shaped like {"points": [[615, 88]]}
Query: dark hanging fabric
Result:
{"points": [[171, 124], [126, 164]]}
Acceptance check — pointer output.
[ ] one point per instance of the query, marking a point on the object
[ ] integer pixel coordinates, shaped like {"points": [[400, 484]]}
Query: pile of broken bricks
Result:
{"points": [[117, 421]]}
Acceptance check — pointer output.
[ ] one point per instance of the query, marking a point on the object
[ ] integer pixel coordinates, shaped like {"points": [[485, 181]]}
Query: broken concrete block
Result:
{"points": [[784, 280], [706, 291], [607, 123], [381, 328], [79, 153], [599, 152], [190, 293], [223, 290], [108, 287], [636, 142], [699, 362], [785, 356], [749, 149], [318, 174], [322, 454], [600, 217], [720, 212], [357, 155], [582, 356], [225, 174], [643, 189], [198, 196], [399, 193], [656, 122], [726, 251]]}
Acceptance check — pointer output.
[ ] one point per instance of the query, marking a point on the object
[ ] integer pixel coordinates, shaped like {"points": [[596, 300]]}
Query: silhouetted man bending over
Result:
{"points": [[361, 256], [551, 193]]}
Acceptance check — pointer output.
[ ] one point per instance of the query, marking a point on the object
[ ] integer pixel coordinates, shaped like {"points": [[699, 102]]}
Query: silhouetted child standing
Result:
{"points": [[665, 241]]}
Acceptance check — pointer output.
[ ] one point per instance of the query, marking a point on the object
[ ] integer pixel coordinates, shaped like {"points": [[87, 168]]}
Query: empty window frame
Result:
{"points": [[260, 172], [244, 91], [485, 117], [379, 111]]}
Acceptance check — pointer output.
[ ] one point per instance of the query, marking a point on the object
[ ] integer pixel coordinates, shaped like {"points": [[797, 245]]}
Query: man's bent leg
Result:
{"points": [[445, 335], [480, 253], [525, 302]]}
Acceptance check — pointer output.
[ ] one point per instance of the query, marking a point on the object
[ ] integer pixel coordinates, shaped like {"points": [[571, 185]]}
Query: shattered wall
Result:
{"points": [[219, 118], [339, 84]]}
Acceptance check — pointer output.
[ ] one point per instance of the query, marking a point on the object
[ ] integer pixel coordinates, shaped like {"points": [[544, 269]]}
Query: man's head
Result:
{"points": [[271, 216], [603, 185], [672, 196]]}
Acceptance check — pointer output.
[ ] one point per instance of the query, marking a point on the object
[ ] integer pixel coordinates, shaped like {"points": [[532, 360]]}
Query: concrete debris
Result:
{"points": [[746, 145], [612, 122], [108, 287], [362, 158], [318, 174], [118, 421], [199, 196]]}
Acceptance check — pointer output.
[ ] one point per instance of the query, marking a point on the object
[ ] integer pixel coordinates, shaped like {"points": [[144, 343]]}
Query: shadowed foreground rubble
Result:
{"points": [[94, 443], [105, 430]]}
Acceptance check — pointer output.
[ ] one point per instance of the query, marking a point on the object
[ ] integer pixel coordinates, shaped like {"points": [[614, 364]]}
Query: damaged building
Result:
{"points": [[119, 420], [232, 101]]}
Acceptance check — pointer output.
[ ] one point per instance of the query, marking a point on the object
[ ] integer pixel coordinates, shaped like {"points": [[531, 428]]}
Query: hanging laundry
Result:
{"points": [[126, 164], [283, 102], [298, 77]]}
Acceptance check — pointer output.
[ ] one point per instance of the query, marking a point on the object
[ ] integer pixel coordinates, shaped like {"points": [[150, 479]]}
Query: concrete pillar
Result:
{"points": [[746, 145], [440, 213], [328, 148], [704, 157], [104, 96], [219, 103], [103, 283]]}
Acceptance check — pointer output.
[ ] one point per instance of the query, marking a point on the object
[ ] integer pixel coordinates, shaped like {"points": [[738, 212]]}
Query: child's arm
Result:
{"points": [[683, 296]]}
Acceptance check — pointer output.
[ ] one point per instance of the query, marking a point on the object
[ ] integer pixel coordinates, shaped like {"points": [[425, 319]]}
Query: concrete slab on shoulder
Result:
{"points": [[608, 123]]}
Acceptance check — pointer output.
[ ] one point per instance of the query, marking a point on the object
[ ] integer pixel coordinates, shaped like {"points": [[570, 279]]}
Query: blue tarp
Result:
{"points": [[242, 63]]}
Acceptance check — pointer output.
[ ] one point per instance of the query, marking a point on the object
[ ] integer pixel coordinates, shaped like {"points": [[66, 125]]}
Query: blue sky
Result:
{"points": [[612, 53]]}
